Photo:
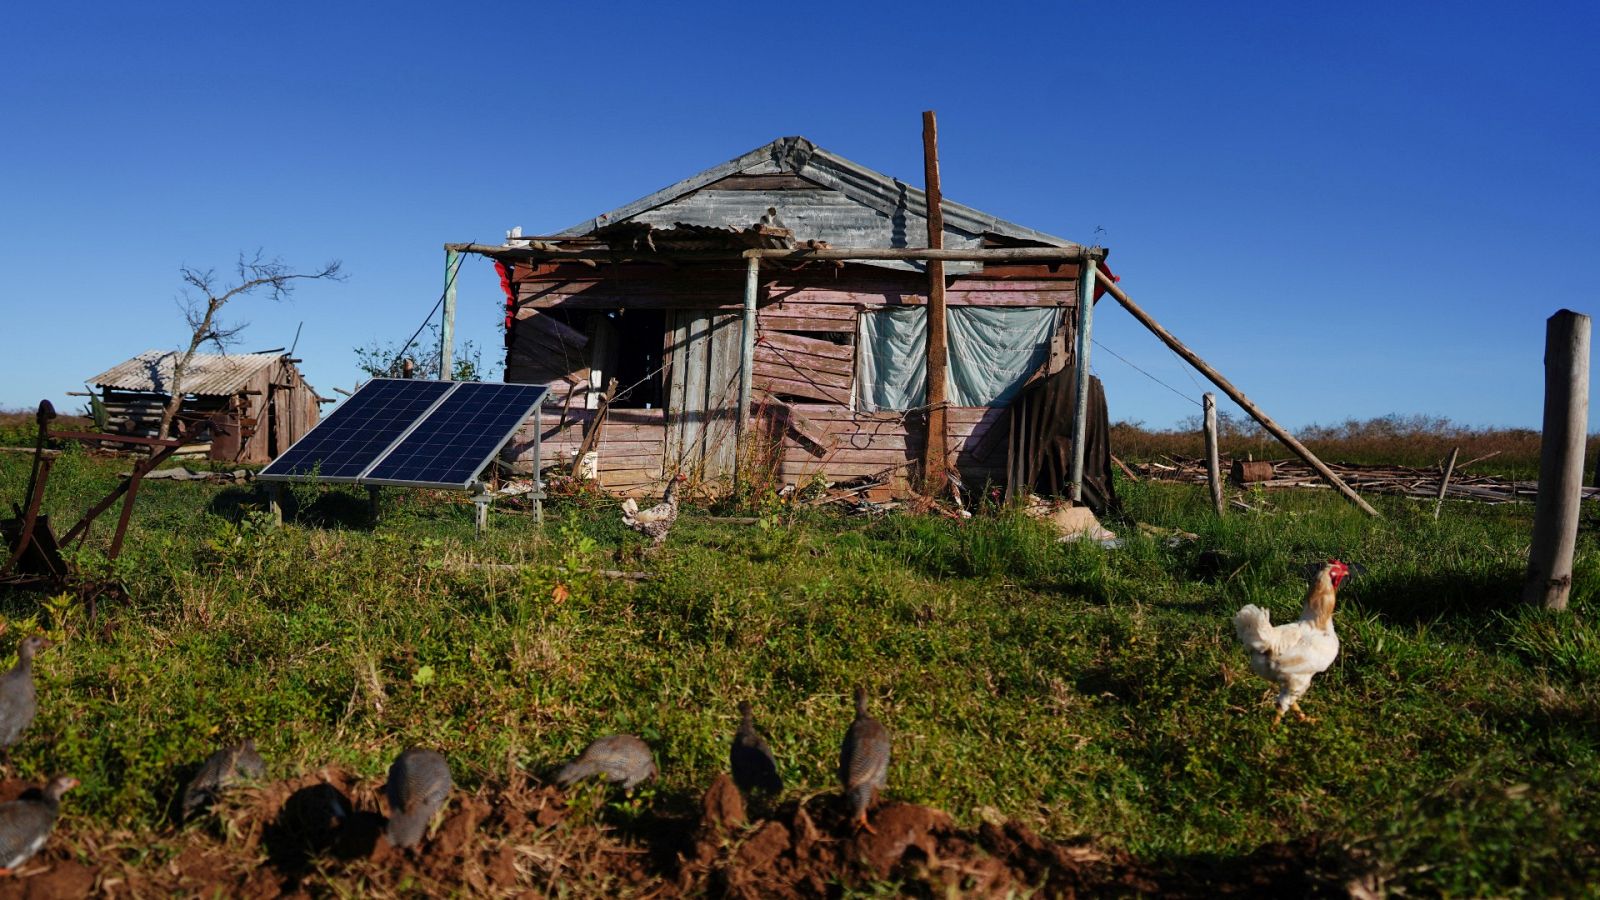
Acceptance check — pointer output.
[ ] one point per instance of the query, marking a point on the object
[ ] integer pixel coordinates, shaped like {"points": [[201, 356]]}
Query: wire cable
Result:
{"points": [[1147, 374], [449, 282]]}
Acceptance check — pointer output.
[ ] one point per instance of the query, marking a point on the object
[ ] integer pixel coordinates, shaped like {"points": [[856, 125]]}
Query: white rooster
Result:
{"points": [[1288, 655], [656, 521]]}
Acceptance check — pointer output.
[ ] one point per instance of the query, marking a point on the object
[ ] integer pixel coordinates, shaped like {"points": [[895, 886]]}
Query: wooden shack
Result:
{"points": [[253, 405], [651, 296]]}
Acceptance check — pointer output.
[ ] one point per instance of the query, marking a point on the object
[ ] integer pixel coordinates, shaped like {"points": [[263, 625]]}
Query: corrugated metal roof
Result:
{"points": [[209, 374], [897, 214]]}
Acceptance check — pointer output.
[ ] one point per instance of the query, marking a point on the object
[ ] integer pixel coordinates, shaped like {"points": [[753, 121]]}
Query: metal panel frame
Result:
{"points": [[353, 479], [422, 417], [494, 451]]}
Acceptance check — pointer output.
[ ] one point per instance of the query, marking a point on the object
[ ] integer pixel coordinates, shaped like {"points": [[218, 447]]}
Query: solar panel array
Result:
{"points": [[410, 433]]}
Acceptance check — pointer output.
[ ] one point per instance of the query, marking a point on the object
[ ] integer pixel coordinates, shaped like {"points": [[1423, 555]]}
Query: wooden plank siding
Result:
{"points": [[870, 443], [795, 307]]}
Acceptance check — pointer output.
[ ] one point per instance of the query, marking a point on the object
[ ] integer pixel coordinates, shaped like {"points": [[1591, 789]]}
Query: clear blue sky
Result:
{"points": [[1349, 209]]}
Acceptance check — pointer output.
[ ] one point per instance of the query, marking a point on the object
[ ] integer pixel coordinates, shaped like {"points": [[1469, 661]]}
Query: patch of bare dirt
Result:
{"points": [[322, 834]]}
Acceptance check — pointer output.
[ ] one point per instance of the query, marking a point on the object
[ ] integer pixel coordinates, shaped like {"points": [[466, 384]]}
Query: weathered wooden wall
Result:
{"points": [[275, 408], [874, 443], [805, 354], [632, 447]]}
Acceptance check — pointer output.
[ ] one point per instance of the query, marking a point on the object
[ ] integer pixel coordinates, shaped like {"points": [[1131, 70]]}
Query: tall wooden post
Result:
{"points": [[1566, 414], [933, 463], [447, 328], [747, 363], [1213, 456], [1080, 365]]}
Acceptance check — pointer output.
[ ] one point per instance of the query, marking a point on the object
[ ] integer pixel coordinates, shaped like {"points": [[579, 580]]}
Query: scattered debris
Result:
{"points": [[184, 473]]}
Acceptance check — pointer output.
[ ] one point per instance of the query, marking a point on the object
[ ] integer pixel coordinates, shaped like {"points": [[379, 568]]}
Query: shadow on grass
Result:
{"points": [[1452, 597], [1306, 867], [332, 508]]}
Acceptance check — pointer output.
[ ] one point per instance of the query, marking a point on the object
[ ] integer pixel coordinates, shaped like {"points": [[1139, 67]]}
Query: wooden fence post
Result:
{"points": [[1566, 413], [1213, 459]]}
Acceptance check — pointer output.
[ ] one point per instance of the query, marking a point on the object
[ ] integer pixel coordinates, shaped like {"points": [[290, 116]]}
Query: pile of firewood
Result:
{"points": [[1398, 480]]}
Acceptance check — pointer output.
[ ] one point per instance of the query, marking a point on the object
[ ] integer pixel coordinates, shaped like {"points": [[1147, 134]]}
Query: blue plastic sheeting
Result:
{"points": [[993, 350]]}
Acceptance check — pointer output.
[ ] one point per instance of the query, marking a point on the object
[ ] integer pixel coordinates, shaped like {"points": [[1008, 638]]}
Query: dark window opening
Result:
{"points": [[636, 339]]}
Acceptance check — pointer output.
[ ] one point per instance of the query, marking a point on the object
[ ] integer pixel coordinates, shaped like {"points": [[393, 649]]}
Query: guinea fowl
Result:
{"points": [[419, 784], [222, 770], [620, 758], [1288, 655], [656, 521], [26, 824], [751, 758], [863, 761], [17, 700]]}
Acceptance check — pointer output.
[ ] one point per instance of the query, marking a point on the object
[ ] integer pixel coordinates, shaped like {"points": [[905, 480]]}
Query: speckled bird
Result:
{"points": [[26, 824], [222, 770], [419, 784], [863, 761], [18, 703], [656, 521], [750, 757], [620, 758]]}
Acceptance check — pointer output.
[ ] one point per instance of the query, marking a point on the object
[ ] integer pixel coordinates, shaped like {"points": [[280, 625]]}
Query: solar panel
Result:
{"points": [[344, 445], [453, 443]]}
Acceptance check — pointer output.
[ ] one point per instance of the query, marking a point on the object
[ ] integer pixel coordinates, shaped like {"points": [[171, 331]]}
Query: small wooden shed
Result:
{"points": [[255, 404], [664, 296]]}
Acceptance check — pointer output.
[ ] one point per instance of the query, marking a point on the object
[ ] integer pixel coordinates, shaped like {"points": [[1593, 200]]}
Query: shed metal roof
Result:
{"points": [[899, 209], [209, 374]]}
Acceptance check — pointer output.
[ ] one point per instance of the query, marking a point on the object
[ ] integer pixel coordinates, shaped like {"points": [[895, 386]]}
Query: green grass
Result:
{"points": [[1079, 689]]}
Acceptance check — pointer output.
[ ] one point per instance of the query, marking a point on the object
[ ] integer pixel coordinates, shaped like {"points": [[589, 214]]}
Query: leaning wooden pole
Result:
{"points": [[1213, 454], [934, 459], [1444, 483], [1236, 395], [1566, 415]]}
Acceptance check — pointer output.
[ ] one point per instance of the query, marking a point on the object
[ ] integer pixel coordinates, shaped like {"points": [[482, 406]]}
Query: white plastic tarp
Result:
{"points": [[993, 350]]}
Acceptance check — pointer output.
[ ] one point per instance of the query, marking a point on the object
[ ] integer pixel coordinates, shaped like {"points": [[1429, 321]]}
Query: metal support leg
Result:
{"points": [[275, 503], [480, 502], [374, 501]]}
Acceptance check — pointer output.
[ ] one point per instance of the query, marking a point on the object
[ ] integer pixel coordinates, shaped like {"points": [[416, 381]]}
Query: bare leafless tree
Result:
{"points": [[204, 295]]}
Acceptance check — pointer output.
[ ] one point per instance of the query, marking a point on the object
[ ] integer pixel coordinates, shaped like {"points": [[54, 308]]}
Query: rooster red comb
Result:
{"points": [[1337, 571]]}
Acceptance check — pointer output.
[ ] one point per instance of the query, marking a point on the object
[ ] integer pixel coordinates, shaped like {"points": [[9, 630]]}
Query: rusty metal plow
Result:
{"points": [[33, 552]]}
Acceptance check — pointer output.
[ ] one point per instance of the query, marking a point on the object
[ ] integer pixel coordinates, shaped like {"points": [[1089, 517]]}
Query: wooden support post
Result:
{"points": [[447, 328], [591, 438], [1213, 456], [1566, 414], [1080, 364], [1444, 483], [747, 364], [935, 456], [1236, 396]]}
